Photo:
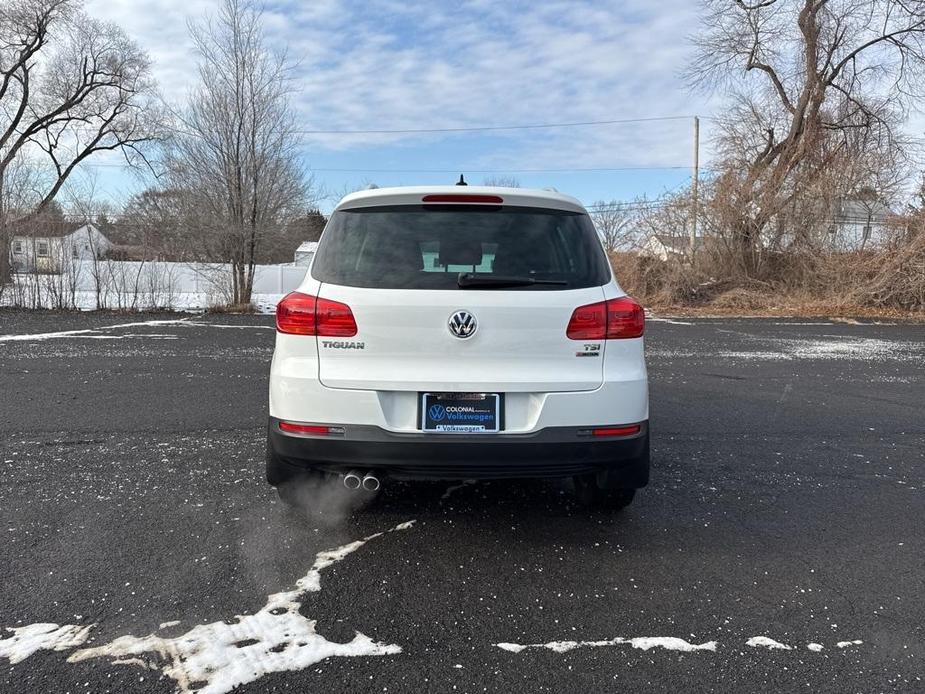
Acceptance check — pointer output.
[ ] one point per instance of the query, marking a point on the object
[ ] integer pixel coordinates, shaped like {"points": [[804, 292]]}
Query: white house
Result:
{"points": [[305, 252], [859, 223], [50, 253], [665, 246]]}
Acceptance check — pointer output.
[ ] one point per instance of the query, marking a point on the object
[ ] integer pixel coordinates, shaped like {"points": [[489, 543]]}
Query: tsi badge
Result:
{"points": [[462, 324], [590, 350]]}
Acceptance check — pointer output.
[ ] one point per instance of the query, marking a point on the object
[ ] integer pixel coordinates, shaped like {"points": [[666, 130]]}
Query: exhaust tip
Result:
{"points": [[371, 483], [352, 480]]}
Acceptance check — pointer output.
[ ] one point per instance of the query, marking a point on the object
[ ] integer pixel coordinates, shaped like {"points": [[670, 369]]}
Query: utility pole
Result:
{"points": [[695, 185]]}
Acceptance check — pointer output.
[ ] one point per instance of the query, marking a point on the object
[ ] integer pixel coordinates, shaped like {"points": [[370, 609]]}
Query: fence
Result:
{"points": [[138, 285]]}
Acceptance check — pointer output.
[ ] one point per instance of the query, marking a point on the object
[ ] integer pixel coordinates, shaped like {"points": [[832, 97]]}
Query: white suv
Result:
{"points": [[459, 333]]}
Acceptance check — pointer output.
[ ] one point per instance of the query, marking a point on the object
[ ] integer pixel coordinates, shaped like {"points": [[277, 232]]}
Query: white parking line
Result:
{"points": [[87, 331], [95, 332]]}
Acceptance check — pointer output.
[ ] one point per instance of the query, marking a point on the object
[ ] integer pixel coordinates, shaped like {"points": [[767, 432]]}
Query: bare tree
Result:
{"points": [[614, 222], [818, 89], [236, 152], [70, 87]]}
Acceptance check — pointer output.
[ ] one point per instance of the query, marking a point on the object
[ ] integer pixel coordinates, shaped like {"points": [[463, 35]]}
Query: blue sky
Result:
{"points": [[384, 64]]}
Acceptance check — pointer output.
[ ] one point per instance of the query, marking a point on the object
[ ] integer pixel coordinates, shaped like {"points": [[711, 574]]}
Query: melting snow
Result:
{"points": [[218, 657], [764, 641], [644, 643], [670, 643], [833, 347], [41, 637]]}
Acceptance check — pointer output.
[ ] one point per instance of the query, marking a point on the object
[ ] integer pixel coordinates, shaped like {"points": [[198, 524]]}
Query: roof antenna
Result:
{"points": [[461, 181]]}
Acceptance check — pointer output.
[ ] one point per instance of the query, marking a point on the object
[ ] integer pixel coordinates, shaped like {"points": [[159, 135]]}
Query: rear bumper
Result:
{"points": [[550, 452]]}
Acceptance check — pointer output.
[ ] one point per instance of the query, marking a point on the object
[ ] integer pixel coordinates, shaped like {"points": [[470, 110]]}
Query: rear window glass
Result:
{"points": [[427, 247]]}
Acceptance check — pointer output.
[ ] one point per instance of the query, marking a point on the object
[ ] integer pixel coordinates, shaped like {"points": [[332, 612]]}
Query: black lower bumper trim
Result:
{"points": [[551, 452]]}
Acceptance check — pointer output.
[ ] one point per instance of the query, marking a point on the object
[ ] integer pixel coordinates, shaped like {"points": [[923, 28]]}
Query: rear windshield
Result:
{"points": [[418, 247]]}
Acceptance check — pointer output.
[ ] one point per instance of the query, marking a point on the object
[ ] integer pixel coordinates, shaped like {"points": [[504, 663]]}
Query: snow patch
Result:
{"points": [[834, 347], [764, 641], [218, 657], [41, 637], [846, 644], [643, 643], [815, 647]]}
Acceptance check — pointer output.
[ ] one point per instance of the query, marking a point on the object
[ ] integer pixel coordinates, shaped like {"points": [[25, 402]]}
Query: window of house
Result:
{"points": [[75, 252], [17, 247], [42, 249]]}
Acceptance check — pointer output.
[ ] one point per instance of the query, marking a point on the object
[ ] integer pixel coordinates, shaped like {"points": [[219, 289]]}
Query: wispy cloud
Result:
{"points": [[384, 64]]}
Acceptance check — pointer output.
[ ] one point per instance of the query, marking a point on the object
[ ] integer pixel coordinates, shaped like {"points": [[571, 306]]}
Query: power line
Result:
{"points": [[463, 169], [490, 128]]}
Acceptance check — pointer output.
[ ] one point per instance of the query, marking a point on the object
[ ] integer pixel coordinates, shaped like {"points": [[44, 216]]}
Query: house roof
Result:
{"points": [[46, 229], [858, 210]]}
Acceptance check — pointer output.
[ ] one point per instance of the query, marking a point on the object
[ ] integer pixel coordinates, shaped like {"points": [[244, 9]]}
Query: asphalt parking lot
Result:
{"points": [[779, 547]]}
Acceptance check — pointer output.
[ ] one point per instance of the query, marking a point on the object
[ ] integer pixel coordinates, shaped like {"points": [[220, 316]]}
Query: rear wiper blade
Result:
{"points": [[471, 279]]}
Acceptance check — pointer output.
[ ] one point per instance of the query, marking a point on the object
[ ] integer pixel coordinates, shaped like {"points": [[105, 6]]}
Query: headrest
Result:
{"points": [[460, 252]]}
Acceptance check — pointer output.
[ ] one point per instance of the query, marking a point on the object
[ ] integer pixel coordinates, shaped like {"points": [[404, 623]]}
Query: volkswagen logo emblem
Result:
{"points": [[462, 324]]}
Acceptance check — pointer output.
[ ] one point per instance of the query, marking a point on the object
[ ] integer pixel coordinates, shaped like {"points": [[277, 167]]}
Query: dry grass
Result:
{"points": [[883, 284], [232, 308]]}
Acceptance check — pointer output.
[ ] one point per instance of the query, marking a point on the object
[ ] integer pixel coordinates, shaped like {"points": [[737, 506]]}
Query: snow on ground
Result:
{"points": [[90, 332], [644, 643], [102, 333], [830, 347], [835, 347], [30, 639], [765, 642], [85, 300], [218, 657], [670, 643]]}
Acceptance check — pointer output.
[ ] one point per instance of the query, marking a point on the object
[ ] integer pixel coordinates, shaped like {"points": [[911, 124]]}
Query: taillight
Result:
{"points": [[334, 319], [301, 314], [616, 319]]}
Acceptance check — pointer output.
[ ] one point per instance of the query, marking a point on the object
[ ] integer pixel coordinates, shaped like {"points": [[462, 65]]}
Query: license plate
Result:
{"points": [[461, 413]]}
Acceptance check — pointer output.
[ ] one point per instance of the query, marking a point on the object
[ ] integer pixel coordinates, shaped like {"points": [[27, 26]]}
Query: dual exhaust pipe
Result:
{"points": [[354, 481]]}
